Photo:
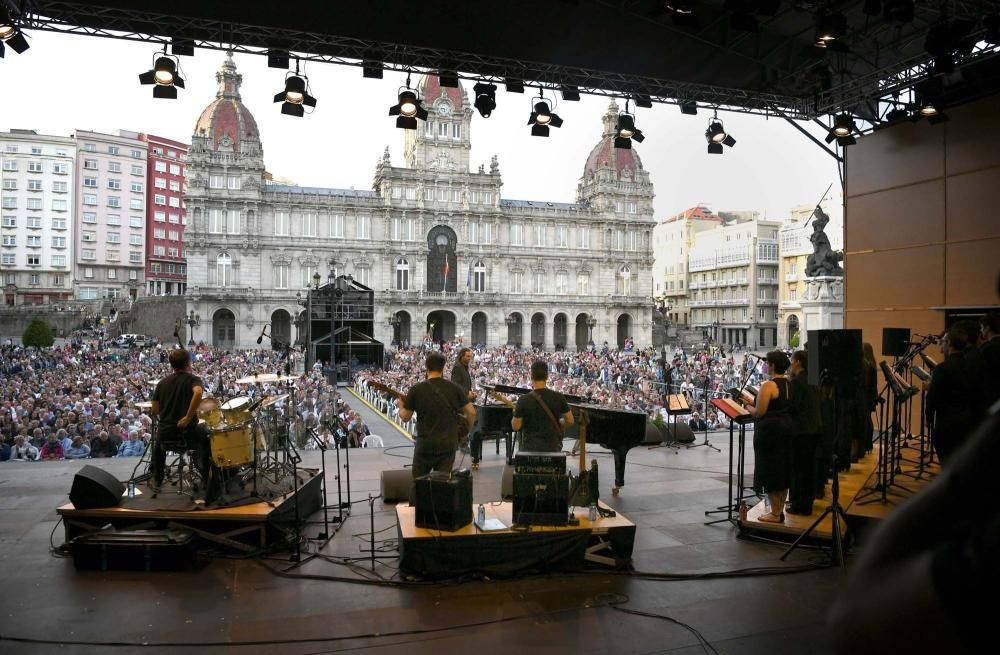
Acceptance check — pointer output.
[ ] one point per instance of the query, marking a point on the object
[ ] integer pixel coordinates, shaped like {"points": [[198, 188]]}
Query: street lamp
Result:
{"points": [[193, 320], [393, 321], [591, 324]]}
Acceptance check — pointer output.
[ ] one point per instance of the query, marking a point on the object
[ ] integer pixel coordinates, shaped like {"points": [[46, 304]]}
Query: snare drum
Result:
{"points": [[232, 445], [236, 411], [210, 412]]}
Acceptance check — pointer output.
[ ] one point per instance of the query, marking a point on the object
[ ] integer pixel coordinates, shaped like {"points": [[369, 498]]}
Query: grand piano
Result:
{"points": [[618, 430]]}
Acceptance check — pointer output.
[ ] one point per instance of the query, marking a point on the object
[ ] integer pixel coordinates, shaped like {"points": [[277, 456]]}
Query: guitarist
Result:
{"points": [[437, 403], [535, 414], [460, 376]]}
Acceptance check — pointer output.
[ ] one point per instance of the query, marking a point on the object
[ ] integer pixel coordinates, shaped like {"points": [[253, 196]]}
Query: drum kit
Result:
{"points": [[248, 438]]}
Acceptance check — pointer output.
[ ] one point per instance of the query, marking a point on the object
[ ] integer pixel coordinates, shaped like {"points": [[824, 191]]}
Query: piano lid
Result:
{"points": [[506, 388]]}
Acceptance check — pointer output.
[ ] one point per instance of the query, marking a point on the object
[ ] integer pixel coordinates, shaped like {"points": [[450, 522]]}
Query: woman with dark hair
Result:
{"points": [[772, 437]]}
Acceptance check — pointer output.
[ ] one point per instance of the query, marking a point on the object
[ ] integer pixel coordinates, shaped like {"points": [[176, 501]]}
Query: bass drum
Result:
{"points": [[210, 412], [232, 445]]}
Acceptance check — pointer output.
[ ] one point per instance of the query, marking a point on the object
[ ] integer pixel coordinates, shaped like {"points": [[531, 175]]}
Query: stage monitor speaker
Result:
{"points": [[836, 354], [93, 488], [895, 341], [396, 485], [443, 502]]}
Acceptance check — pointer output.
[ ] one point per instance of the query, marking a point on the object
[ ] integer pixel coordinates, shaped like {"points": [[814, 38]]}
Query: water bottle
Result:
{"points": [[131, 489], [481, 515], [593, 512]]}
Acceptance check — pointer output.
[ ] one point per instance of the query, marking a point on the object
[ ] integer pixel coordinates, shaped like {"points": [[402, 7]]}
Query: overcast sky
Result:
{"points": [[71, 82]]}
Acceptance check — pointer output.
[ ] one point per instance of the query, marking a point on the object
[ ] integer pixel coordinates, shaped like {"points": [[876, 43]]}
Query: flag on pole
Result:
{"points": [[468, 278], [447, 269]]}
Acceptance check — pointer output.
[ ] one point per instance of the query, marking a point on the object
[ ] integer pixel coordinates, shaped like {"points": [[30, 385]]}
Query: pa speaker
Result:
{"points": [[895, 341], [396, 485], [834, 357], [94, 487]]}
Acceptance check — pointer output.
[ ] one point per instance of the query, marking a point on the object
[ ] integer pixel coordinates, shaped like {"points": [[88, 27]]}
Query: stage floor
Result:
{"points": [[314, 607]]}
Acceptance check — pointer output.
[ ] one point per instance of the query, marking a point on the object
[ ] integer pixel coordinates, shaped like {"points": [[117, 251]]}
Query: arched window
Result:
{"points": [[402, 274], [224, 270], [624, 281], [479, 277]]}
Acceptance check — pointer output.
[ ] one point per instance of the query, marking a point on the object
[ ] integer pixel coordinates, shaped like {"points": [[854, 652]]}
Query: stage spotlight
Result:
{"points": [[897, 114], [689, 108], [486, 98], [164, 76], [296, 96], [278, 59], [717, 136], [570, 93], [513, 85], [843, 126], [372, 69], [448, 78], [11, 34], [830, 26], [683, 7], [626, 131], [643, 101], [542, 117], [408, 109], [931, 110], [182, 47]]}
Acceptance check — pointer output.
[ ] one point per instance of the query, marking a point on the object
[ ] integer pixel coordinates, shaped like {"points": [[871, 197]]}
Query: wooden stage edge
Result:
{"points": [[856, 497], [244, 527]]}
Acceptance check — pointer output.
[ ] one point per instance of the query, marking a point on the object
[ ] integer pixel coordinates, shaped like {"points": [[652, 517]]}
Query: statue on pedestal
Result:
{"points": [[824, 261]]}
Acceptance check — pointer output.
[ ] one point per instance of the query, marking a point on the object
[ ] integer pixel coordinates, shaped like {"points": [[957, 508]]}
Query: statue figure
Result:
{"points": [[823, 260]]}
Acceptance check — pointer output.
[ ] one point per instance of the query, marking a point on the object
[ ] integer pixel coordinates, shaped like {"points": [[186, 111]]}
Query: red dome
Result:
{"points": [[227, 115], [430, 90]]}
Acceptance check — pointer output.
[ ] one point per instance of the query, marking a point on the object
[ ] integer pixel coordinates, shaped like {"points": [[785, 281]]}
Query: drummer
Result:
{"points": [[175, 403]]}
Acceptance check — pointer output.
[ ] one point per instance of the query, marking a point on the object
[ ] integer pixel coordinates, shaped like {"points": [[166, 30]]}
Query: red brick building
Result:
{"points": [[166, 266]]}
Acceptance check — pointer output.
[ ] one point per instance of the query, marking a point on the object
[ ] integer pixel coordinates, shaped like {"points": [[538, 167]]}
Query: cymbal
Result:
{"points": [[273, 400], [264, 377], [153, 383], [146, 404]]}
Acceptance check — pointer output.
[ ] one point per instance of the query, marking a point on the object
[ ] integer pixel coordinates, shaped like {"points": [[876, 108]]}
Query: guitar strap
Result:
{"points": [[555, 423], [454, 411]]}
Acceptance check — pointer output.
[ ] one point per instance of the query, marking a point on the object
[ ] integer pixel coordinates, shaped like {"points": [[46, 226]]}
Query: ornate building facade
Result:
{"points": [[445, 254]]}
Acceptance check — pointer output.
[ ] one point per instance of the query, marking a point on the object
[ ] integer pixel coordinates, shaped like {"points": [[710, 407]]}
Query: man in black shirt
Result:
{"points": [[460, 376], [175, 403], [952, 404], [440, 405], [989, 328], [540, 426]]}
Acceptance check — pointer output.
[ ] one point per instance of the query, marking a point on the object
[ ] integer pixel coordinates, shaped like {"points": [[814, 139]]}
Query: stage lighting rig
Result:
{"points": [[296, 96], [626, 131], [164, 76], [10, 33], [542, 117], [717, 136], [843, 127], [408, 109], [830, 26], [486, 98]]}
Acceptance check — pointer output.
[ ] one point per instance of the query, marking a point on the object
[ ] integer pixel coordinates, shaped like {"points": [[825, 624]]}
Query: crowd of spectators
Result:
{"points": [[634, 379], [80, 400]]}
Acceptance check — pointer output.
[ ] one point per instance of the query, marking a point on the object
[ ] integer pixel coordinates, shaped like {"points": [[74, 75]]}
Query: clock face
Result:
{"points": [[444, 108]]}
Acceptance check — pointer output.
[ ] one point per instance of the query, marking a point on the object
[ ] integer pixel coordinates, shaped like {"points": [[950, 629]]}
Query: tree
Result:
{"points": [[38, 334], [794, 341]]}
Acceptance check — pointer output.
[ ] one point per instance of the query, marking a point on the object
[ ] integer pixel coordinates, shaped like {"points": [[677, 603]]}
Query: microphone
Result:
{"points": [[263, 333]]}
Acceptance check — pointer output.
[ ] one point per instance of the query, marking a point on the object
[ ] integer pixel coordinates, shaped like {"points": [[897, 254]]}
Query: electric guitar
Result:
{"points": [[583, 487], [387, 389], [503, 399]]}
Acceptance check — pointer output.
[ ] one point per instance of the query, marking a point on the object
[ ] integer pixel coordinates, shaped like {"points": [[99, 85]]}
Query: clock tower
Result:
{"points": [[441, 142]]}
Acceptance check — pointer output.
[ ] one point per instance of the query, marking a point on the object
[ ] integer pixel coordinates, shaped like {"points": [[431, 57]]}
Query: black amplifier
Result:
{"points": [[443, 502], [540, 463], [541, 499]]}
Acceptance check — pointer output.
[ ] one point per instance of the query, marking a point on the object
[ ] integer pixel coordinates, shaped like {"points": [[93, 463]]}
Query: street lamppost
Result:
{"points": [[510, 321], [663, 306], [393, 322], [193, 320], [300, 320], [331, 281], [591, 323]]}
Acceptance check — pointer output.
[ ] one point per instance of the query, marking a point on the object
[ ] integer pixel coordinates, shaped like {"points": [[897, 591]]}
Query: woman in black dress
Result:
{"points": [[772, 437]]}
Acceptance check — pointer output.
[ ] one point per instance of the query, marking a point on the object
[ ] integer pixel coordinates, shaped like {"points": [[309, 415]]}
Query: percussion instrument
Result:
{"points": [[265, 377], [145, 404], [273, 400], [210, 412], [232, 445], [153, 383], [236, 410]]}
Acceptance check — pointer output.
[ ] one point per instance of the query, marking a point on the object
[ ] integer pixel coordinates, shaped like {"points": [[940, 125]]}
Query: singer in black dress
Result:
{"points": [[772, 437]]}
